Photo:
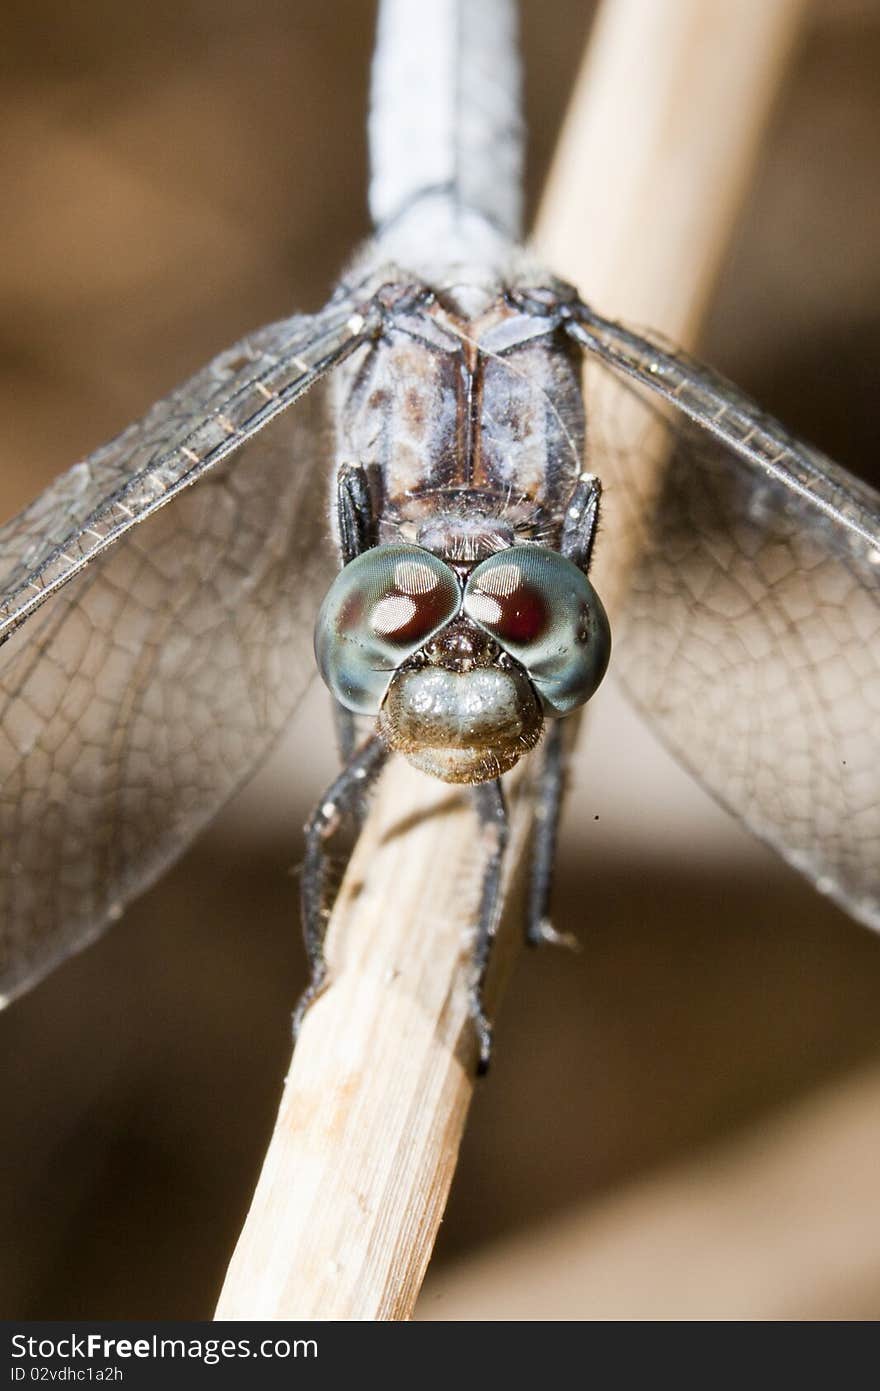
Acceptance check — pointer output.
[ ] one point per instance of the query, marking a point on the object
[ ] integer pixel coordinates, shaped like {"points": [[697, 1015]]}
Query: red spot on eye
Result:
{"points": [[351, 612], [522, 616], [407, 618]]}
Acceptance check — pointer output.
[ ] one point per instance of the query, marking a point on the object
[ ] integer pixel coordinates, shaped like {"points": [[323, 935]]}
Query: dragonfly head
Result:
{"points": [[462, 667], [461, 708]]}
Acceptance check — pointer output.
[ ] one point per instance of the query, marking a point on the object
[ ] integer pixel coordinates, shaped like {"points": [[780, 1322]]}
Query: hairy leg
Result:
{"points": [[581, 521], [548, 805], [355, 514], [492, 812], [356, 524], [342, 798], [578, 535]]}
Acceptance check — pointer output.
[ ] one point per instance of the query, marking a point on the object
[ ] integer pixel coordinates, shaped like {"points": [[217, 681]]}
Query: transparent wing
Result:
{"points": [[750, 629], [92, 505], [148, 667]]}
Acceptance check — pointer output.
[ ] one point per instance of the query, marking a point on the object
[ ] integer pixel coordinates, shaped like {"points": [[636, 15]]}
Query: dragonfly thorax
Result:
{"points": [[467, 534]]}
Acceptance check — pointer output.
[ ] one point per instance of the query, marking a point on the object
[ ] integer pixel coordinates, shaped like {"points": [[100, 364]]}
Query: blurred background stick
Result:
{"points": [[664, 127]]}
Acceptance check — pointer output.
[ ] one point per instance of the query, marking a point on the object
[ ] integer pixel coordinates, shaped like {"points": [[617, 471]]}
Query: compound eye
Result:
{"points": [[380, 609], [545, 613], [509, 601]]}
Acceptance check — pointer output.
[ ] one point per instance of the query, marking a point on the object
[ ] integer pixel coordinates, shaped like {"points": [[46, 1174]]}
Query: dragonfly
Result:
{"points": [[160, 601]]}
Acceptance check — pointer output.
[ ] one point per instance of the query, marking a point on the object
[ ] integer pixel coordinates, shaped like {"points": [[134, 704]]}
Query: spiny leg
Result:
{"points": [[492, 812], [578, 535], [581, 521], [548, 805], [356, 515], [356, 523], [347, 738], [341, 798], [345, 725]]}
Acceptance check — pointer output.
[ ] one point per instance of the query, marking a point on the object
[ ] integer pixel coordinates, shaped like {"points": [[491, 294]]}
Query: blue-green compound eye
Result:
{"points": [[543, 610], [381, 608]]}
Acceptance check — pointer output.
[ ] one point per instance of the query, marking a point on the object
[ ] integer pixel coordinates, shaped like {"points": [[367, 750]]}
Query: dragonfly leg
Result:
{"points": [[578, 536], [345, 724], [355, 512], [341, 799], [548, 804], [581, 521], [492, 812], [357, 533]]}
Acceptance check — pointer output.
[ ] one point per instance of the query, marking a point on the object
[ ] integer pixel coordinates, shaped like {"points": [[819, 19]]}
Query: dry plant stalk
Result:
{"points": [[355, 1182], [358, 1170]]}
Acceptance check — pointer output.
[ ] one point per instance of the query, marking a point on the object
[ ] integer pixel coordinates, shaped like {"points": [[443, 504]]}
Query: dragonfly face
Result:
{"points": [[462, 663]]}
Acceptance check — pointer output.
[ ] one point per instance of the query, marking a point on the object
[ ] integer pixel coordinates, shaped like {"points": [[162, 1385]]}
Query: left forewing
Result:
{"points": [[153, 653]]}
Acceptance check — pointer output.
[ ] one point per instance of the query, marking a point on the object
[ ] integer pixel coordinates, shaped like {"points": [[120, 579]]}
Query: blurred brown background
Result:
{"points": [[174, 175]]}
